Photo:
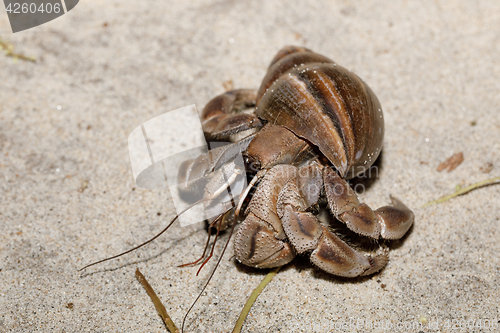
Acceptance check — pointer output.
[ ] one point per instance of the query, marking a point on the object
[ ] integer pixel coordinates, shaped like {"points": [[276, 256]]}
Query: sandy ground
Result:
{"points": [[68, 197]]}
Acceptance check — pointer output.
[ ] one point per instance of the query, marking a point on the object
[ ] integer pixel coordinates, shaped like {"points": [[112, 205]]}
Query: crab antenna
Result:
{"points": [[206, 245], [219, 219], [216, 265], [150, 240], [210, 278]]}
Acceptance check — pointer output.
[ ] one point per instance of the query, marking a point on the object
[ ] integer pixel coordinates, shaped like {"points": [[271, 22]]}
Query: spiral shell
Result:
{"points": [[325, 104]]}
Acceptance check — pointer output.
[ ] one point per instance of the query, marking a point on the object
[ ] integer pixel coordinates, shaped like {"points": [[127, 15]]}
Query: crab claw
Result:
{"points": [[255, 245]]}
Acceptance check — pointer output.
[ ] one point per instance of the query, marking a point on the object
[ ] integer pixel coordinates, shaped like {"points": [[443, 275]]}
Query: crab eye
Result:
{"points": [[252, 165]]}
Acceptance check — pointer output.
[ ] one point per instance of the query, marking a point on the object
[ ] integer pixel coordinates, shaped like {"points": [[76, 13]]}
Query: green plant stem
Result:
{"points": [[252, 298], [158, 305], [461, 191]]}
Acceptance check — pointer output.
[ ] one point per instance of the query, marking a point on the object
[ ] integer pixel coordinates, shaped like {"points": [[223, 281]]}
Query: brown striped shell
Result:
{"points": [[327, 105]]}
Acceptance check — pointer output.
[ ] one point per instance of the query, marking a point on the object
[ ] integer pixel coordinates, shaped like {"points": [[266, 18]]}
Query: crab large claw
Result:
{"points": [[256, 245]]}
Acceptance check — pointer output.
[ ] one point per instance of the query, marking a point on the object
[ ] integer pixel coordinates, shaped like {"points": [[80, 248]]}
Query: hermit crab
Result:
{"points": [[311, 126], [315, 124]]}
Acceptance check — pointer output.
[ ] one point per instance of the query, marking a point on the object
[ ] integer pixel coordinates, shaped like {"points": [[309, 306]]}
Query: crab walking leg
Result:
{"points": [[222, 115], [277, 213], [331, 254], [306, 233], [394, 220], [334, 256], [388, 222]]}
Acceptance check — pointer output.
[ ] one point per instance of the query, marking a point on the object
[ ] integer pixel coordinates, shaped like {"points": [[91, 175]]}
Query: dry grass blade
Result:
{"points": [[461, 191], [252, 298], [158, 305], [9, 51]]}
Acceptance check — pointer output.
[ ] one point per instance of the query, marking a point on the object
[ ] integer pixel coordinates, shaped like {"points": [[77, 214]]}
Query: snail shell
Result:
{"points": [[325, 104]]}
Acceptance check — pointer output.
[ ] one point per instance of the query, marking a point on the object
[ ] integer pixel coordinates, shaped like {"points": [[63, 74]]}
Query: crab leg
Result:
{"points": [[330, 254], [306, 233], [222, 116], [388, 222], [334, 256]]}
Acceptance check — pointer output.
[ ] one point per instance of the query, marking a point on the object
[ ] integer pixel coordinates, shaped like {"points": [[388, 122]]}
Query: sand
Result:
{"points": [[68, 196]]}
